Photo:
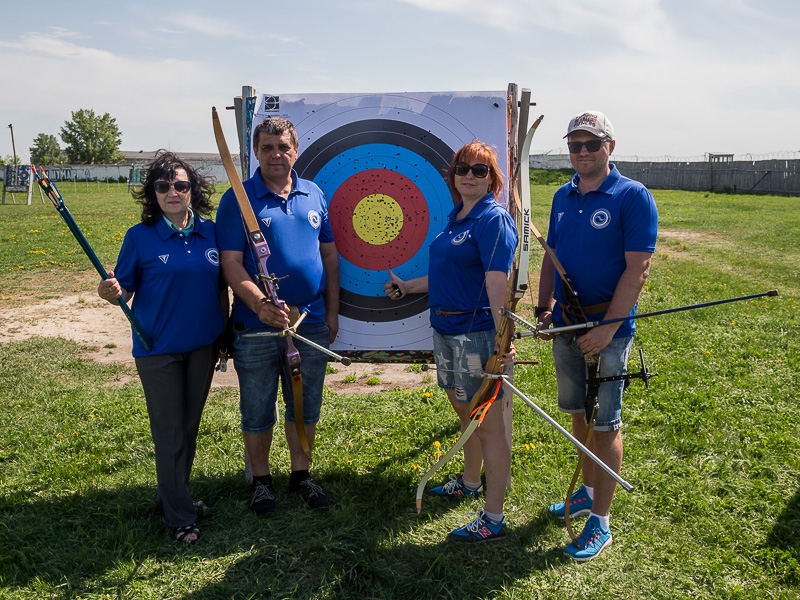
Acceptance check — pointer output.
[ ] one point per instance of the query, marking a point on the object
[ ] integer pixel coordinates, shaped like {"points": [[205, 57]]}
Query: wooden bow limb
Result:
{"points": [[261, 250], [476, 418], [55, 197]]}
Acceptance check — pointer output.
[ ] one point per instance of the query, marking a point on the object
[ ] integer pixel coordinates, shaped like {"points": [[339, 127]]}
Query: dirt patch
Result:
{"points": [[90, 321], [684, 235]]}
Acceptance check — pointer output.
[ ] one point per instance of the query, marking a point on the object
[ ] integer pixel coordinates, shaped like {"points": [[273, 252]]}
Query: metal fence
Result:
{"points": [[757, 177], [121, 173], [776, 176]]}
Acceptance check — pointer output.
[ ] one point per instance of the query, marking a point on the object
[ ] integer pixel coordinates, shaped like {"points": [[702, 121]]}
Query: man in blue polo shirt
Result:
{"points": [[603, 229], [293, 216]]}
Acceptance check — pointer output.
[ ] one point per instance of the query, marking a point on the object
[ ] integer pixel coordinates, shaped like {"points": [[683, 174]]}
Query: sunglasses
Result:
{"points": [[591, 146], [162, 187], [480, 171]]}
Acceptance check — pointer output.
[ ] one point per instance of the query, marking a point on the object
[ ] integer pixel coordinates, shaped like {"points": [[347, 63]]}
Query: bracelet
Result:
{"points": [[540, 310]]}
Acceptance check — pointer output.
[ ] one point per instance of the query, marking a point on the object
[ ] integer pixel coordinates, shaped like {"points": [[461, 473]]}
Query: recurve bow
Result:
{"points": [[268, 283]]}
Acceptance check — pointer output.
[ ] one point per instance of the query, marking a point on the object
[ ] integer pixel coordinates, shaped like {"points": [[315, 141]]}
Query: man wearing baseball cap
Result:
{"points": [[603, 229]]}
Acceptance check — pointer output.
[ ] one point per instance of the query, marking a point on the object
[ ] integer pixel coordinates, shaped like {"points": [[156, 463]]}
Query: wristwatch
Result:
{"points": [[537, 312]]}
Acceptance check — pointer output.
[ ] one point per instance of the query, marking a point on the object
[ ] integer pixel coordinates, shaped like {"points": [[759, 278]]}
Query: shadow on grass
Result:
{"points": [[785, 538], [370, 544]]}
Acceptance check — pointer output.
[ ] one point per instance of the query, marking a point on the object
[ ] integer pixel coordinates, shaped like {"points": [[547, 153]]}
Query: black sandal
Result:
{"points": [[183, 534]]}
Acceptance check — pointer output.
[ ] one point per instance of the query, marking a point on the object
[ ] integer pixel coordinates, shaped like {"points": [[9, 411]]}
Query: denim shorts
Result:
{"points": [[458, 357], [571, 379], [259, 363]]}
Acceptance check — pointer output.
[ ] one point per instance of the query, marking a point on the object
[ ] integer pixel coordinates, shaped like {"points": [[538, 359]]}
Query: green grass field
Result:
{"points": [[711, 447]]}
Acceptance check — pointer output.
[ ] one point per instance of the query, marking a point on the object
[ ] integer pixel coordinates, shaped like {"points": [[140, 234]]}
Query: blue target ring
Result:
{"points": [[393, 146], [425, 177]]}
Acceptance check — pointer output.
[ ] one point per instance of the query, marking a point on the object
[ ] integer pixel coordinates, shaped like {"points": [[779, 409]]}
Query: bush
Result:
{"points": [[548, 177]]}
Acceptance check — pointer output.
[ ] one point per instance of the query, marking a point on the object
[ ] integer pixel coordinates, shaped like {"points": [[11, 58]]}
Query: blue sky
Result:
{"points": [[677, 78]]}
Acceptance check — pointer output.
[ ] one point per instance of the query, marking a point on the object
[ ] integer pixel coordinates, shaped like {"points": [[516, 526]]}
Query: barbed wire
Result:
{"points": [[561, 154]]}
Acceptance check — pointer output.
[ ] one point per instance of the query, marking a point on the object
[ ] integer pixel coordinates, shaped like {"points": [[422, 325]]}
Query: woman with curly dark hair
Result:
{"points": [[169, 266]]}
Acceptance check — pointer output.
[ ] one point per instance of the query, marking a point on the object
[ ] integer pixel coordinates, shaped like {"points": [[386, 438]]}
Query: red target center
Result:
{"points": [[372, 232]]}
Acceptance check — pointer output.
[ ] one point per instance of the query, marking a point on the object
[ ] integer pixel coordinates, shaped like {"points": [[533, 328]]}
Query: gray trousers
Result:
{"points": [[175, 389]]}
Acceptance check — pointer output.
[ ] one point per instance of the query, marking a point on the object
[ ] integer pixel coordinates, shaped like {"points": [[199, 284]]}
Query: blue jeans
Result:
{"points": [[458, 357], [259, 363], [571, 379]]}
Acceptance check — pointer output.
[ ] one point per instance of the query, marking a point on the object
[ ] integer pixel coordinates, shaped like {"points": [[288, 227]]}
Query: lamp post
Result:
{"points": [[13, 146]]}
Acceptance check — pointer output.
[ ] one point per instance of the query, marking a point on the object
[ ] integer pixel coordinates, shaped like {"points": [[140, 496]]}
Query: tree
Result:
{"points": [[46, 151], [8, 160], [91, 139]]}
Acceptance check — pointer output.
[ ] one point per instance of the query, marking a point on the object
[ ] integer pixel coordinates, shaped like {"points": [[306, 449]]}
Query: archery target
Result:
{"points": [[381, 161]]}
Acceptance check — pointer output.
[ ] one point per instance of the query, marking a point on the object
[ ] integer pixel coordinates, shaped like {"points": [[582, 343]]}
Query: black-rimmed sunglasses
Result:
{"points": [[480, 170], [162, 187], [591, 146]]}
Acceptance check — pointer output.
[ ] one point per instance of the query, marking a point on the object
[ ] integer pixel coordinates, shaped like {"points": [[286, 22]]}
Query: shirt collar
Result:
{"points": [[483, 205], [299, 186], [186, 230]]}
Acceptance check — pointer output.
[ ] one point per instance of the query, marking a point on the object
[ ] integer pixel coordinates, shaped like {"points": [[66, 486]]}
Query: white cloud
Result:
{"points": [[153, 100]]}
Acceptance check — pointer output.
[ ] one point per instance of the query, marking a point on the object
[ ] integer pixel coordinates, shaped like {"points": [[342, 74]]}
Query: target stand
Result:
{"points": [[17, 178], [382, 162]]}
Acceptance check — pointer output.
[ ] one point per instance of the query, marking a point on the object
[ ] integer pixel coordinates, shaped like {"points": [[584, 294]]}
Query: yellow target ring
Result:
{"points": [[378, 219]]}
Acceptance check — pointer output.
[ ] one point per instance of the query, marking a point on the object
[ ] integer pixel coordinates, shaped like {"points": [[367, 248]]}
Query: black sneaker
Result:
{"points": [[262, 502], [312, 494]]}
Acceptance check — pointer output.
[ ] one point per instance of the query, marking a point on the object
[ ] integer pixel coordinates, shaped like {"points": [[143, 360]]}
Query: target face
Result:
{"points": [[382, 161]]}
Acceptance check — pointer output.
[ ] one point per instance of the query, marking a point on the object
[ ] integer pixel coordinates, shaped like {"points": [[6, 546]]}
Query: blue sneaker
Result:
{"points": [[455, 489], [580, 505], [479, 530], [591, 542]]}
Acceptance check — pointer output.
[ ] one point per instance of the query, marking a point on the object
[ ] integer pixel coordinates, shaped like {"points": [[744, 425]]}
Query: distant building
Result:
{"points": [[720, 158], [140, 157]]}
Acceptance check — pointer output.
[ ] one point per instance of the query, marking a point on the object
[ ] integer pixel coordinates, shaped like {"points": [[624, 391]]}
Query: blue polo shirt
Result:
{"points": [[293, 228], [460, 256], [591, 234], [175, 280]]}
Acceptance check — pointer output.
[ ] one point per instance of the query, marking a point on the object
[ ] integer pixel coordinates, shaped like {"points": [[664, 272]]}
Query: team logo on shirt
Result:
{"points": [[314, 219], [561, 214], [460, 238], [600, 218], [164, 258], [212, 256]]}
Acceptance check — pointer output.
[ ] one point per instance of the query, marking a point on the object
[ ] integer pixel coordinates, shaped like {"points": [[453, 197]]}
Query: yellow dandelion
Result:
{"points": [[436, 444]]}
